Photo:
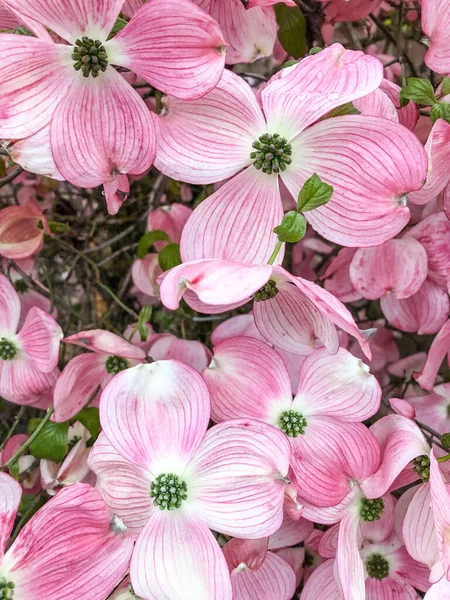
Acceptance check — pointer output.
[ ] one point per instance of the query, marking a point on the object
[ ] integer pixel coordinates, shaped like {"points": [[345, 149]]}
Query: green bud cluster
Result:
{"points": [[267, 292], [292, 423], [8, 351], [371, 510], [422, 467], [272, 153], [168, 491], [6, 589], [89, 56], [377, 567], [115, 364]]}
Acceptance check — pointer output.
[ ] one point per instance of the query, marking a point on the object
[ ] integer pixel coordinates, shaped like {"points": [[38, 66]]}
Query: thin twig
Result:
{"points": [[11, 176], [13, 427]]}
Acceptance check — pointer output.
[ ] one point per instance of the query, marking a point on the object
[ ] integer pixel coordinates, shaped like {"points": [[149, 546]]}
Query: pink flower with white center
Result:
{"points": [[29, 477], [73, 97], [28, 358], [256, 572], [438, 350], [335, 394], [169, 479], [71, 548], [86, 374], [435, 17], [371, 163]]}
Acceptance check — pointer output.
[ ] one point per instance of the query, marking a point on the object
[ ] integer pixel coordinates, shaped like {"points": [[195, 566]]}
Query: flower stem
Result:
{"points": [[275, 253], [442, 459]]}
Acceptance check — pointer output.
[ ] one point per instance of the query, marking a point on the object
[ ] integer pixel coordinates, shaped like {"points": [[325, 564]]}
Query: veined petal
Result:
{"points": [[439, 591], [11, 19], [175, 46], [418, 530], [214, 282], [290, 533], [39, 338], [193, 353], [105, 342], [20, 236], [274, 579], [377, 104], [372, 163], [90, 142], [237, 221], [10, 497], [239, 366], [156, 414], [124, 486], [440, 503], [209, 139], [297, 97], [238, 478], [72, 18], [22, 382], [130, 7], [435, 19], [36, 75], [255, 3], [348, 561], [176, 557], [89, 554], [34, 154], [245, 553], [77, 384], [439, 348], [9, 307], [338, 385], [322, 579]]}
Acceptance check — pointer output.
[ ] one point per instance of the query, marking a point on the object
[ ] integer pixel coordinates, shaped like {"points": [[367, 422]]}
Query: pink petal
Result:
{"points": [[130, 7], [20, 236], [290, 533], [378, 531], [124, 487], [407, 115], [255, 3], [10, 497], [116, 192], [337, 277], [389, 589], [440, 503], [252, 553], [237, 366], [198, 562], [239, 476], [89, 555], [338, 385], [190, 352], [145, 272], [424, 312], [402, 407], [437, 148], [377, 104], [22, 382], [397, 266], [344, 76], [171, 219], [79, 381], [439, 348], [236, 222], [348, 561], [322, 579], [339, 10], [400, 441], [235, 326], [156, 414], [433, 233], [295, 557], [371, 164], [439, 591], [72, 18], [435, 17], [105, 342], [174, 46], [11, 19], [9, 307], [418, 530], [39, 338], [89, 141], [34, 154], [214, 282], [210, 139]]}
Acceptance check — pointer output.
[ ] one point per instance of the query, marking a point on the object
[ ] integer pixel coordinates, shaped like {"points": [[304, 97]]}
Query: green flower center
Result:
{"points": [[6, 589], [272, 153], [422, 467], [292, 423], [89, 56], [7, 349], [371, 510], [21, 286], [168, 491], [267, 292], [377, 567], [115, 364]]}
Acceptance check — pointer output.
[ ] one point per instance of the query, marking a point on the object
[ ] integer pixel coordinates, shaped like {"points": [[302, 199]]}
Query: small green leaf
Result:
{"points": [[292, 228], [169, 257], [89, 417], [315, 50], [440, 110], [119, 25], [289, 63], [148, 239], [291, 29], [51, 442], [56, 227], [144, 317], [445, 86], [419, 91], [314, 193], [340, 111]]}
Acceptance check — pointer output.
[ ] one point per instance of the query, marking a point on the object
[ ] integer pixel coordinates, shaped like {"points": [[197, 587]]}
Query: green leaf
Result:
{"points": [[289, 63], [340, 111], [148, 239], [292, 29], [440, 110], [51, 442], [445, 86], [89, 417], [169, 257], [315, 50], [314, 193], [419, 91], [118, 25], [144, 317], [292, 228]]}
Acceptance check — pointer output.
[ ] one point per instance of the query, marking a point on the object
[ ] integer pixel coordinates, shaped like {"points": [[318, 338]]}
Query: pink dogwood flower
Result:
{"points": [[73, 97], [169, 479], [86, 373], [435, 17], [22, 231], [439, 348], [72, 548], [29, 477], [28, 358], [227, 133]]}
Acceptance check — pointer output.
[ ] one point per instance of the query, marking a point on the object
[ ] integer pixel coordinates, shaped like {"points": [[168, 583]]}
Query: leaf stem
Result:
{"points": [[275, 253]]}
